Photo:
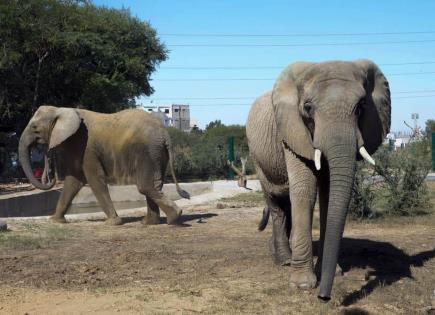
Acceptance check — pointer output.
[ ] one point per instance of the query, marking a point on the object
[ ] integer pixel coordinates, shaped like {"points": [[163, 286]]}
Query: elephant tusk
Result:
{"points": [[317, 156], [366, 155]]}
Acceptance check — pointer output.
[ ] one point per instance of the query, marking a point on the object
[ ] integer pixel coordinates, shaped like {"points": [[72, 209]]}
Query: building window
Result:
{"points": [[166, 111], [176, 110], [150, 109]]}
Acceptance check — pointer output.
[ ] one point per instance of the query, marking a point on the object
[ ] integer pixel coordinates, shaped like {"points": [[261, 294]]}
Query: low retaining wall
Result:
{"points": [[29, 204], [130, 192], [42, 203]]}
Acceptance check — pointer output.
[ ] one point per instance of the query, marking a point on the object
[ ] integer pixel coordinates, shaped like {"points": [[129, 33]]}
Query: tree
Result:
{"points": [[213, 124], [72, 53], [203, 155]]}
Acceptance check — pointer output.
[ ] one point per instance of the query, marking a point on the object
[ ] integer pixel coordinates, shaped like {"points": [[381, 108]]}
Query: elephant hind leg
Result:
{"points": [[153, 213], [172, 211], [278, 203], [279, 242], [150, 183]]}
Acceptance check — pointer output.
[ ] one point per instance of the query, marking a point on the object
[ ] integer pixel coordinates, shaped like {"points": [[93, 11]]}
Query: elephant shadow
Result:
{"points": [[385, 264], [200, 218]]}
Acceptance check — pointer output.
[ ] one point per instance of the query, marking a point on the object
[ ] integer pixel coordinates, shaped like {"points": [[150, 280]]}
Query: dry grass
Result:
{"points": [[31, 235], [219, 265]]}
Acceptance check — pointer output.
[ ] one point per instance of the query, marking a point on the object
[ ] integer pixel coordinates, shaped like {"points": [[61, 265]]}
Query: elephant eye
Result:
{"points": [[308, 108]]}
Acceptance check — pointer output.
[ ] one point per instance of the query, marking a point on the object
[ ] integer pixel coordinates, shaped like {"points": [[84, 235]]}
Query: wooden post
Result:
{"points": [[433, 150], [231, 156]]}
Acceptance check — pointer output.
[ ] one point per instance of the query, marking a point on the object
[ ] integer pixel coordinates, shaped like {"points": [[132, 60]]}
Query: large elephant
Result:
{"points": [[306, 136], [128, 147]]}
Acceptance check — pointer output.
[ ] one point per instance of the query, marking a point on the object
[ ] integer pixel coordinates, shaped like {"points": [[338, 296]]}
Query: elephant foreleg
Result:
{"points": [[303, 191], [97, 181], [71, 187]]}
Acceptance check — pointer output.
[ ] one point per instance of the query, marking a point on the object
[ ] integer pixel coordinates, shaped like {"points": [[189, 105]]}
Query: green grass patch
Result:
{"points": [[253, 198], [27, 236]]}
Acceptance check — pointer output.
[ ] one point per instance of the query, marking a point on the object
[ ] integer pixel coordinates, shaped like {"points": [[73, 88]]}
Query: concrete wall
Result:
{"points": [[130, 193], [40, 203], [28, 204]]}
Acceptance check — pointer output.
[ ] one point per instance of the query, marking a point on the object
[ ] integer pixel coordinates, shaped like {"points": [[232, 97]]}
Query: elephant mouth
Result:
{"points": [[289, 149], [40, 140]]}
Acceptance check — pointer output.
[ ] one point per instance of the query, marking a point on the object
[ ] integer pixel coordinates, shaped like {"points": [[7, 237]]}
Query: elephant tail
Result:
{"points": [[265, 219], [181, 192]]}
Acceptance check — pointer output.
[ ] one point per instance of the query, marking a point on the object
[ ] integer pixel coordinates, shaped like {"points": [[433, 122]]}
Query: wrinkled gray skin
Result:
{"points": [[129, 147], [336, 107]]}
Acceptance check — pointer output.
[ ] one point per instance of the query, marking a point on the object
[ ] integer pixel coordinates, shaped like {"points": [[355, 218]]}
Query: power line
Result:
{"points": [[407, 63], [305, 45], [229, 104], [201, 98], [293, 34], [223, 68], [276, 67], [416, 91], [208, 79], [253, 97], [411, 73], [211, 105], [250, 104], [416, 96], [269, 79]]}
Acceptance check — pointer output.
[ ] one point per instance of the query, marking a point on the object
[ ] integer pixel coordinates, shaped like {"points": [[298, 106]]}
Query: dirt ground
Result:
{"points": [[216, 263]]}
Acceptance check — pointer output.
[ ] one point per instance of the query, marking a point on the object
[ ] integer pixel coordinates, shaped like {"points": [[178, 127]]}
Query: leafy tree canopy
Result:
{"points": [[72, 53]]}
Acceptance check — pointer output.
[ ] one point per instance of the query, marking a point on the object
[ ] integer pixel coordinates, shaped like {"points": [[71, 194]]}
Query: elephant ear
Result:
{"points": [[285, 100], [375, 120], [67, 123]]}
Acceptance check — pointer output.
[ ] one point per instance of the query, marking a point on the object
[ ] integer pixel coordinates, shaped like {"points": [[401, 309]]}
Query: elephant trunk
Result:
{"points": [[26, 141], [340, 152]]}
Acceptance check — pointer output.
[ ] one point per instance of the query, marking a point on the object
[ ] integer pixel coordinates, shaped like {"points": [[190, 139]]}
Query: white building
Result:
{"points": [[400, 139], [175, 115]]}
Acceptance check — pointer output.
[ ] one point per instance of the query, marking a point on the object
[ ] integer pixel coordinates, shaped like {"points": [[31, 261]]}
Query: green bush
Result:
{"points": [[395, 186], [403, 173], [363, 194]]}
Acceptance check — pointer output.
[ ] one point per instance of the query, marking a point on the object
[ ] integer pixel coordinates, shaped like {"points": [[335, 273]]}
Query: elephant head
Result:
{"points": [[340, 110], [49, 126]]}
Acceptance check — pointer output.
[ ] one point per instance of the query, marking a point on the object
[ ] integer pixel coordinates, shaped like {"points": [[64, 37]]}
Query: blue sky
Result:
{"points": [[412, 87]]}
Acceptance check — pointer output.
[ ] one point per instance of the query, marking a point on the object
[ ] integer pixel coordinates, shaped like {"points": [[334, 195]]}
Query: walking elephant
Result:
{"points": [[128, 147], [305, 136]]}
